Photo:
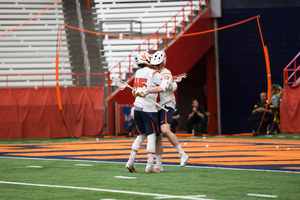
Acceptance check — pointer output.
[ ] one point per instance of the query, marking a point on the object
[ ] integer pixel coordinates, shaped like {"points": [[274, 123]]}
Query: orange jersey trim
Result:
{"points": [[167, 73]]}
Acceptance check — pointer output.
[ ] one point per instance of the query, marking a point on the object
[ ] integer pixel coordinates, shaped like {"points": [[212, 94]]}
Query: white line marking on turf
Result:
{"points": [[107, 190], [108, 199], [86, 165], [35, 166], [97, 161], [128, 177], [262, 195], [192, 196]]}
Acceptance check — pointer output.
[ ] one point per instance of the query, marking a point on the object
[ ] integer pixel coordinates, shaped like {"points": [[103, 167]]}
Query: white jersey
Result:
{"points": [[149, 78], [167, 98]]}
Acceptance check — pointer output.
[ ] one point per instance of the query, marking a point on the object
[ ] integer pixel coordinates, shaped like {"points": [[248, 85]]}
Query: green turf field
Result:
{"points": [[55, 179], [29, 178]]}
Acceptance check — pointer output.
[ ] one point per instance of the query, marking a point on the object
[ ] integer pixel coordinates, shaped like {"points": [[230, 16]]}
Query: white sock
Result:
{"points": [[179, 149], [159, 159], [150, 159], [132, 156]]}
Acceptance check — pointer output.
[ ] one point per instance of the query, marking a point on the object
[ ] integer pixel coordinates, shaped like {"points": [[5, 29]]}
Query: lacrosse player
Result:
{"points": [[166, 99], [145, 112]]}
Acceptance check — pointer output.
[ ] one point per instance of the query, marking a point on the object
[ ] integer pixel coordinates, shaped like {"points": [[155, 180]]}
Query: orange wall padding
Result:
{"points": [[290, 116], [30, 113]]}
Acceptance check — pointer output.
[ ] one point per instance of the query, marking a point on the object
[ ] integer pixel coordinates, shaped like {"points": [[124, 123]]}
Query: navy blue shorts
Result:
{"points": [[165, 117], [146, 122]]}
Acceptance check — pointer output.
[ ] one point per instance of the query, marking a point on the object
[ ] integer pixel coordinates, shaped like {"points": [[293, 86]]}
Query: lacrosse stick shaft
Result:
{"points": [[149, 99], [122, 85], [156, 104]]}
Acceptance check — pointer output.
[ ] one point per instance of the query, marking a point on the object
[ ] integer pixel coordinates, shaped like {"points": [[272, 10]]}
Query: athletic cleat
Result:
{"points": [[159, 168], [183, 160], [151, 170], [130, 167]]}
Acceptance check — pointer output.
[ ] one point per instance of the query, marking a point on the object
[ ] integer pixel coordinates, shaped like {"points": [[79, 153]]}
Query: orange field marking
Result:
{"points": [[216, 152]]}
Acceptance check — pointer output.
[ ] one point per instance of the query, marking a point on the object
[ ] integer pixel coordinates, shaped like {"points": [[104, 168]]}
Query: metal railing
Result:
{"points": [[290, 75], [162, 35], [43, 79]]}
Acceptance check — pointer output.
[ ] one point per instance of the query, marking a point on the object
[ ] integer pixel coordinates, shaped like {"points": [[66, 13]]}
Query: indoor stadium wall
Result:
{"points": [[241, 58], [30, 113]]}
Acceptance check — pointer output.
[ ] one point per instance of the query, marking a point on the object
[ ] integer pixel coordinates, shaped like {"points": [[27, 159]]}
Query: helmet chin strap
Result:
{"points": [[161, 66], [159, 69]]}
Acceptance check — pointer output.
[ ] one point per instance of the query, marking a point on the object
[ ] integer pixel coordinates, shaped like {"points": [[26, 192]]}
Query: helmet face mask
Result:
{"points": [[158, 60], [142, 60]]}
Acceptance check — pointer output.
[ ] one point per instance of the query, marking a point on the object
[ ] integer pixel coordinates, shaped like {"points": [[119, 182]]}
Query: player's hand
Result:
{"points": [[172, 87], [141, 92], [133, 93]]}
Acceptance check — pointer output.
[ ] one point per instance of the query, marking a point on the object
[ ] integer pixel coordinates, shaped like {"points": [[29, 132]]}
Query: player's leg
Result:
{"points": [[135, 147], [150, 153], [165, 120], [137, 142], [150, 121], [159, 152]]}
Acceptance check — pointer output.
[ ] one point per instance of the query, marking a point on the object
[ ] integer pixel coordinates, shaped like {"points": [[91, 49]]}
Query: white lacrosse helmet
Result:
{"points": [[142, 59], [158, 58]]}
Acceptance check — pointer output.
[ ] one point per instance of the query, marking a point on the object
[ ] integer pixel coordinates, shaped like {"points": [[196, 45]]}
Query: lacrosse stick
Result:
{"points": [[122, 85], [179, 77]]}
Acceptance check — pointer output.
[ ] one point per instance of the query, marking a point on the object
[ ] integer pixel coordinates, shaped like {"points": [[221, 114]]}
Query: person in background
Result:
{"points": [[131, 122], [196, 115], [258, 112], [175, 119]]}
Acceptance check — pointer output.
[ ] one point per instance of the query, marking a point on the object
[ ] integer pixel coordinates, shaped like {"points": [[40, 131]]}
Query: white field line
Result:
{"points": [[126, 177], [192, 196], [262, 195], [236, 142], [164, 196], [33, 166], [85, 165], [97, 161]]}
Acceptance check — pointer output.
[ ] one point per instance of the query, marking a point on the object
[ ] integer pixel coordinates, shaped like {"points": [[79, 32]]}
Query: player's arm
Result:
{"points": [[164, 83], [162, 88]]}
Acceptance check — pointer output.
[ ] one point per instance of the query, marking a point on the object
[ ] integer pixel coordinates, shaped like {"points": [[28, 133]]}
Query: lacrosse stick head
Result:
{"points": [[179, 77], [120, 84]]}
